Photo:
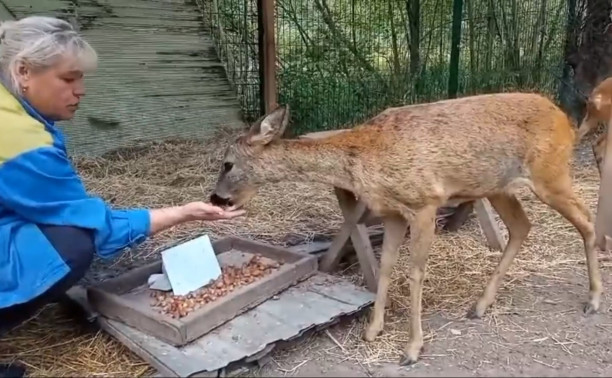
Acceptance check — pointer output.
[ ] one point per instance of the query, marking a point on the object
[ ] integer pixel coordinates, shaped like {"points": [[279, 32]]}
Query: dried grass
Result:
{"points": [[175, 172]]}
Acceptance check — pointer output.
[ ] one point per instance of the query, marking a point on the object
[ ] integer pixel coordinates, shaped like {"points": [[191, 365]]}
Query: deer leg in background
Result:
{"points": [[599, 151], [395, 231], [422, 230], [459, 217], [512, 214]]}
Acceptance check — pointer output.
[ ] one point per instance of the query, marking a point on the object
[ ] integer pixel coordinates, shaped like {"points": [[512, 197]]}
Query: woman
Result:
{"points": [[50, 227]]}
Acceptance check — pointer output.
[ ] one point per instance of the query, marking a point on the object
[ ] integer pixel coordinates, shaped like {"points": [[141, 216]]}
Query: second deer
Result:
{"points": [[408, 161], [598, 111]]}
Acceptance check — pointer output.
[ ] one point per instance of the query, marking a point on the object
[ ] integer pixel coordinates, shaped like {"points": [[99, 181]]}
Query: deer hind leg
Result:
{"points": [[395, 231], [512, 214], [422, 231], [559, 194], [599, 150]]}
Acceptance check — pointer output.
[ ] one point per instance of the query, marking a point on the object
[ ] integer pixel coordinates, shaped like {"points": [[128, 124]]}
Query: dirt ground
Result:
{"points": [[535, 328], [544, 333]]}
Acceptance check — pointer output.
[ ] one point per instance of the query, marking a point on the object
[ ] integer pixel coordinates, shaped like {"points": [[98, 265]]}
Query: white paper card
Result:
{"points": [[191, 265]]}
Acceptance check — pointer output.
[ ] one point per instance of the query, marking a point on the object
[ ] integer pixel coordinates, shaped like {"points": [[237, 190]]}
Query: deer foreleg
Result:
{"points": [[422, 232], [394, 233]]}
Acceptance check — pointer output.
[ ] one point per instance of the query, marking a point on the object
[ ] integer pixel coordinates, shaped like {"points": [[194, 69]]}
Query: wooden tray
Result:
{"points": [[127, 298]]}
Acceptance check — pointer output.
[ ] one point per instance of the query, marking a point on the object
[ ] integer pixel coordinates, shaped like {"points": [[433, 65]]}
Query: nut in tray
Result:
{"points": [[232, 278]]}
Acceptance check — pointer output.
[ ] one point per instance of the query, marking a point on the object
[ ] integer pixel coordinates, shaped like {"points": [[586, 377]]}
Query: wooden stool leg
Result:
{"points": [[484, 212], [336, 251], [354, 213]]}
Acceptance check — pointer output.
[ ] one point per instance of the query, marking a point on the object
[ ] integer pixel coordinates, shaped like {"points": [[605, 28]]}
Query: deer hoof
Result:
{"points": [[473, 312], [590, 308], [411, 355], [370, 334], [406, 360]]}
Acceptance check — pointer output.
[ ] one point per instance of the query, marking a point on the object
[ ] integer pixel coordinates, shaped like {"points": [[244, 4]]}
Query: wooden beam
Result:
{"points": [[484, 212], [352, 216], [354, 212]]}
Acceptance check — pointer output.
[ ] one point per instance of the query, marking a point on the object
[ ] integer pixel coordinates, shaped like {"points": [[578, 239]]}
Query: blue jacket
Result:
{"points": [[38, 185]]}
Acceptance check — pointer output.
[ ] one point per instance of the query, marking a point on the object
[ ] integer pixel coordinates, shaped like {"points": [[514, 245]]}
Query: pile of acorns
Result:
{"points": [[231, 279]]}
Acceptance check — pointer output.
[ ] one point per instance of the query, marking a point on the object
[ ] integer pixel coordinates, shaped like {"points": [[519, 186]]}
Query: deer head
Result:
{"points": [[591, 63], [242, 163]]}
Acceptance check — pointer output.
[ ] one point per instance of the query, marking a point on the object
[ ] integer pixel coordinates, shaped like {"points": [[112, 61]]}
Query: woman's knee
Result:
{"points": [[75, 245]]}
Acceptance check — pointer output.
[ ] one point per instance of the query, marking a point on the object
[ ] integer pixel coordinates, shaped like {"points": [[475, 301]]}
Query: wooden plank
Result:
{"points": [[375, 235], [352, 216], [126, 298], [484, 212], [603, 220], [359, 236]]}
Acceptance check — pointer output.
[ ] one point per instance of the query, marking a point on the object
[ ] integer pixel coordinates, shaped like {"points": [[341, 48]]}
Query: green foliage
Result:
{"points": [[342, 61]]}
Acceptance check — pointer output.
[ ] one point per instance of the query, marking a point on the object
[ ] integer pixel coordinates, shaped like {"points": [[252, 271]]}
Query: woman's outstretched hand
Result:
{"points": [[206, 211], [162, 219]]}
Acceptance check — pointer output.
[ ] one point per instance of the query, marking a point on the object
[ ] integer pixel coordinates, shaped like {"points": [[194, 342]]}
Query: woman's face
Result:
{"points": [[55, 92]]}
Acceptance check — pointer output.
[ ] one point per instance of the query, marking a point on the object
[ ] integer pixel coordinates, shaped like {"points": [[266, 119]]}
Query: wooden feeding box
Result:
{"points": [[128, 299]]}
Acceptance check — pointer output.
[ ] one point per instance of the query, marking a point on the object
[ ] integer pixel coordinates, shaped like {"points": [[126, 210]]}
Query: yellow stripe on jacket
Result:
{"points": [[19, 132]]}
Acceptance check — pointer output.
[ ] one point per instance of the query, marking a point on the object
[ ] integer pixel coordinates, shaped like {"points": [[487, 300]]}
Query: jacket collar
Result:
{"points": [[14, 103], [35, 114]]}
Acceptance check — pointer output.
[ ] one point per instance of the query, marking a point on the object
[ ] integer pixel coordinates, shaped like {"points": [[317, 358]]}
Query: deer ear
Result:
{"points": [[599, 101], [270, 127]]}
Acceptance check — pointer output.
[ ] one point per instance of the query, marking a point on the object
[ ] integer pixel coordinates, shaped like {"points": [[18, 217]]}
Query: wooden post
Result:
{"points": [[267, 55], [603, 225]]}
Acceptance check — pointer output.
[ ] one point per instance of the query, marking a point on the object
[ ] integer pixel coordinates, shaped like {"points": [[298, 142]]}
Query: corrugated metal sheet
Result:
{"points": [[315, 302], [159, 75]]}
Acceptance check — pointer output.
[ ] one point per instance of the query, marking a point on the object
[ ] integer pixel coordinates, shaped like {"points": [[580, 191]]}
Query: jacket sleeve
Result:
{"points": [[42, 186]]}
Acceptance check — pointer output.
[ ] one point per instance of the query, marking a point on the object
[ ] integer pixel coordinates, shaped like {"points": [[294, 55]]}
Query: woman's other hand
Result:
{"points": [[206, 211]]}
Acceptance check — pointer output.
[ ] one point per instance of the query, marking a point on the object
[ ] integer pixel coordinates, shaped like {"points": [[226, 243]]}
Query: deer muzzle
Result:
{"points": [[217, 200]]}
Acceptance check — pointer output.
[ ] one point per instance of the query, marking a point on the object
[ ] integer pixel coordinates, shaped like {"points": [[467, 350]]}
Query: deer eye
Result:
{"points": [[227, 166]]}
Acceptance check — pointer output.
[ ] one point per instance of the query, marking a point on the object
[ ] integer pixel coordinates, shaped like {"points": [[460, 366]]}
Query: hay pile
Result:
{"points": [[176, 172]]}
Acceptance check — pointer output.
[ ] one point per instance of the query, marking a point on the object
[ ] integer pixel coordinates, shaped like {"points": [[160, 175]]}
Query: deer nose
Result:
{"points": [[219, 201]]}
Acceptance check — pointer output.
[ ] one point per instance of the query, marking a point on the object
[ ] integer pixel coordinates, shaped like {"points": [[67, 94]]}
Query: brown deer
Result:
{"points": [[408, 161]]}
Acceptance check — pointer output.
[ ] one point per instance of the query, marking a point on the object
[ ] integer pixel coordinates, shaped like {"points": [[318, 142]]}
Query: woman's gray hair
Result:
{"points": [[40, 42]]}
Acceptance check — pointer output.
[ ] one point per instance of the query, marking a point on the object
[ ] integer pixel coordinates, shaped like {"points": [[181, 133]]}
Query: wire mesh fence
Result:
{"points": [[341, 61], [233, 25]]}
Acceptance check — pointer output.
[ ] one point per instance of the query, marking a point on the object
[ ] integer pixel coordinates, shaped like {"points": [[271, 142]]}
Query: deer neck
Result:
{"points": [[306, 161]]}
